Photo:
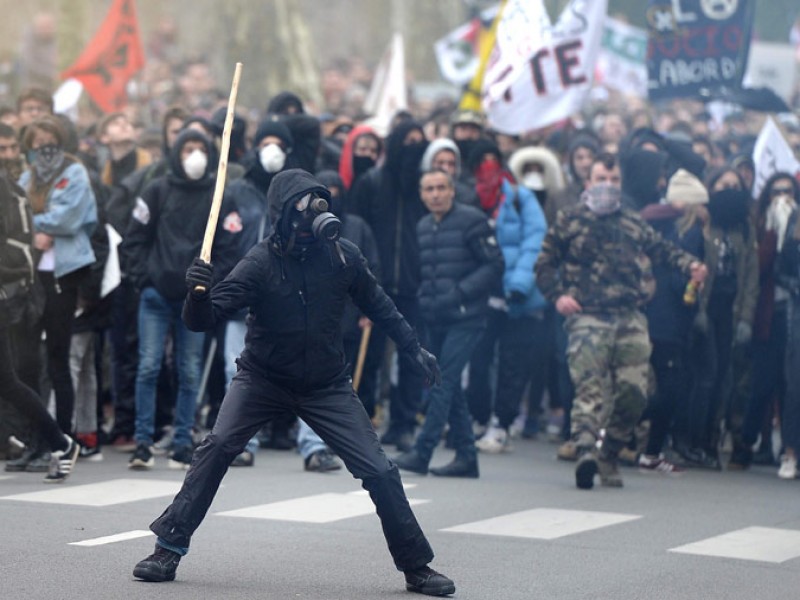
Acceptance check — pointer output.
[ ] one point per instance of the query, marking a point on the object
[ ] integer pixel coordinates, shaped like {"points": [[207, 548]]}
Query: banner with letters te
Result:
{"points": [[540, 71], [697, 46]]}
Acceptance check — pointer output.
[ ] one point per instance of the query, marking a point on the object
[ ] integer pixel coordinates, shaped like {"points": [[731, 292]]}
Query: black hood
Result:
{"points": [[641, 172], [288, 186], [330, 178], [394, 145], [177, 174], [280, 103]]}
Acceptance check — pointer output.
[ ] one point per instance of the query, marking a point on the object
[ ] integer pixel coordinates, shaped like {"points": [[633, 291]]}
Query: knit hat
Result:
{"points": [[686, 188], [274, 128]]}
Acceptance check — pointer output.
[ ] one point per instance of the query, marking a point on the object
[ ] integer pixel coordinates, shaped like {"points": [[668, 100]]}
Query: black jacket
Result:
{"points": [[169, 222], [460, 262], [296, 302], [387, 198]]}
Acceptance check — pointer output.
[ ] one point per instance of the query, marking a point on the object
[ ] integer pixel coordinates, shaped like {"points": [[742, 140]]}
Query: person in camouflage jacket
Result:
{"points": [[596, 266]]}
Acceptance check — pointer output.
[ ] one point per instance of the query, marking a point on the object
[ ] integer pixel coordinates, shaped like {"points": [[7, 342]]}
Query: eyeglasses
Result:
{"points": [[782, 191]]}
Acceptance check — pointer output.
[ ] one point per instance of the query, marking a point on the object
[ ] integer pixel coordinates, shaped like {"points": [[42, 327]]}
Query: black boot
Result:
{"points": [[411, 461], [159, 566], [460, 467], [427, 581]]}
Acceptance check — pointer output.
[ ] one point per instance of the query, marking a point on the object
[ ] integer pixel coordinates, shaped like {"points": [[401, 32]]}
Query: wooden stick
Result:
{"points": [[362, 354], [222, 170]]}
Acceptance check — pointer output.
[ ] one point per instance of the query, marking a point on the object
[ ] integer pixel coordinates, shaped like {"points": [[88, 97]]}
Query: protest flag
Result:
{"points": [[111, 58]]}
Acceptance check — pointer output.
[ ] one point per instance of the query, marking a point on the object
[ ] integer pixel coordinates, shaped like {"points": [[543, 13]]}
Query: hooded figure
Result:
{"points": [[352, 167], [293, 362], [169, 222], [536, 168], [305, 129]]}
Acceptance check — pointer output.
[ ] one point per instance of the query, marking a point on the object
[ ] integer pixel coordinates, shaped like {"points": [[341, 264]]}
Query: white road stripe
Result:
{"points": [[110, 539], [543, 523], [762, 544], [321, 508], [107, 493]]}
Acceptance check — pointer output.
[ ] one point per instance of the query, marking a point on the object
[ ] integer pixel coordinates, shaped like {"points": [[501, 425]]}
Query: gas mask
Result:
{"points": [[310, 220]]}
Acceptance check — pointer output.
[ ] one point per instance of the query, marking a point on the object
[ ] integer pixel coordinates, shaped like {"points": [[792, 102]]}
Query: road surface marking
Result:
{"points": [[543, 523], [110, 539], [107, 493], [762, 544], [321, 508]]}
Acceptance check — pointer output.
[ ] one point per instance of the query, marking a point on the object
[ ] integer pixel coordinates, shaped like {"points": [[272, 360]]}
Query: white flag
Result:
{"points": [[772, 153], [621, 62], [457, 52], [540, 72], [388, 94]]}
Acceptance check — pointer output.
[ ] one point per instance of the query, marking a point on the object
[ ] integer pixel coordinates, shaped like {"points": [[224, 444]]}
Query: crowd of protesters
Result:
{"points": [[119, 210]]}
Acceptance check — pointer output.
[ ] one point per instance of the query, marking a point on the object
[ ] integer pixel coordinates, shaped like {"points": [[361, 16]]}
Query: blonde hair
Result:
{"points": [[692, 214]]}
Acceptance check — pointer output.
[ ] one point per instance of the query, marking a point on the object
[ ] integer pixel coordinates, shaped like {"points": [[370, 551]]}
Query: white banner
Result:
{"points": [[388, 93], [772, 153], [457, 52], [621, 63], [540, 73]]}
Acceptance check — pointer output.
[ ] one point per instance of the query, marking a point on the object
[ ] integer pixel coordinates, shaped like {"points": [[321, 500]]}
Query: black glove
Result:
{"points": [[516, 297], [428, 366], [199, 275]]}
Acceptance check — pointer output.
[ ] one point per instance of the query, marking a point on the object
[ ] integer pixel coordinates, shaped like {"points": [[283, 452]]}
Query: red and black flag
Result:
{"points": [[111, 58]]}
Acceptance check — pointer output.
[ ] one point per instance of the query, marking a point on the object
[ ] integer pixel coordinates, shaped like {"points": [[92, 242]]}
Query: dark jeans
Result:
{"points": [[481, 391], [672, 377], [61, 299], [124, 357], [446, 404], [337, 415], [523, 357], [790, 423], [768, 374], [25, 400]]}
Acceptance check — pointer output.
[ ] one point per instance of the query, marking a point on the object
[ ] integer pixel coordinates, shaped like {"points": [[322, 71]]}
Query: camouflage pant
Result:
{"points": [[608, 359]]}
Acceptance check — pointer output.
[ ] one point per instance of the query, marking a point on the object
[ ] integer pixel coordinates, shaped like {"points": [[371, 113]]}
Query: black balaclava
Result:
{"points": [[402, 161], [280, 103], [641, 172], [729, 208]]}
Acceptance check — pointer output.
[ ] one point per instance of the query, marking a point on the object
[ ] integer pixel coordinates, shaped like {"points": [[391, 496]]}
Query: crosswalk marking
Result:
{"points": [[2, 477], [107, 493], [110, 539], [320, 508], [543, 523], [762, 544]]}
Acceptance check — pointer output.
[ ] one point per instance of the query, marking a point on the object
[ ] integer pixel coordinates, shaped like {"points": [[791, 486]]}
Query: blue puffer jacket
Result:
{"points": [[521, 228], [70, 216]]}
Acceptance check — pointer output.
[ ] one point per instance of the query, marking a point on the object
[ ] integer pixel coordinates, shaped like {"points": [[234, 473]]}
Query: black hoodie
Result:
{"points": [[294, 334], [387, 198], [169, 221]]}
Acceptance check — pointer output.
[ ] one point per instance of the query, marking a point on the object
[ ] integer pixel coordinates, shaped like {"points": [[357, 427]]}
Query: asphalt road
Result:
{"points": [[520, 531]]}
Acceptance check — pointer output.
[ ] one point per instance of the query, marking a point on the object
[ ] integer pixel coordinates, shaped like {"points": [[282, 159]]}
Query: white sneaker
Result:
{"points": [[788, 468], [494, 441], [62, 462]]}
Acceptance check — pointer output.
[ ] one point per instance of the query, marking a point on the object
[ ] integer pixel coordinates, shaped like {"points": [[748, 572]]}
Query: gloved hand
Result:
{"points": [[516, 297], [744, 333], [199, 275], [428, 366]]}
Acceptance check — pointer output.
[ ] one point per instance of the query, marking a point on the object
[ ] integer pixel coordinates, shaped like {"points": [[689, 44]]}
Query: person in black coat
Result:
{"points": [[296, 284], [460, 263]]}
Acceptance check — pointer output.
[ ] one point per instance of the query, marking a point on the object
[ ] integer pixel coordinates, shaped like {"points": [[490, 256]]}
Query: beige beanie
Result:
{"points": [[687, 189]]}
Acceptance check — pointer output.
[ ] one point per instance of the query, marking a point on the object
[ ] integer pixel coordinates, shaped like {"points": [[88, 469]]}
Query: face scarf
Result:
{"points": [[46, 161], [361, 164], [729, 208], [409, 167], [603, 198], [488, 179]]}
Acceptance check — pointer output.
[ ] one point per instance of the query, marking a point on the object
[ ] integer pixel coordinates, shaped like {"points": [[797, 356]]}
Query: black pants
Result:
{"points": [[25, 400], [369, 374], [338, 416], [124, 357], [672, 378], [405, 398], [480, 391], [61, 299]]}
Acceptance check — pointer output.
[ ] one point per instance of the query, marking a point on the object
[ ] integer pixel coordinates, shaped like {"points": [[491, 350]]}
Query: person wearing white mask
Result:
{"points": [[164, 236]]}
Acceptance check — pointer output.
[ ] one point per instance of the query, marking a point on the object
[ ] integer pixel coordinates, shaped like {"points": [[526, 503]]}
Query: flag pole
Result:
{"points": [[222, 169]]}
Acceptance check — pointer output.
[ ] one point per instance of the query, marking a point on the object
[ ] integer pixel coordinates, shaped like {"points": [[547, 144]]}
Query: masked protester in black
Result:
{"points": [[295, 284]]}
